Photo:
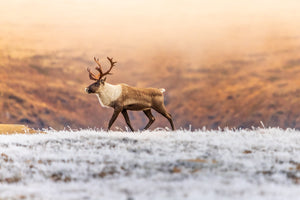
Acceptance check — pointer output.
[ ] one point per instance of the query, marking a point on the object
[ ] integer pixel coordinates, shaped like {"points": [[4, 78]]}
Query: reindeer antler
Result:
{"points": [[91, 75], [99, 69], [112, 64]]}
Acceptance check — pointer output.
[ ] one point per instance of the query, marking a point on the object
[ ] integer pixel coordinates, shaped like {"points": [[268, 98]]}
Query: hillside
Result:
{"points": [[48, 91], [220, 67]]}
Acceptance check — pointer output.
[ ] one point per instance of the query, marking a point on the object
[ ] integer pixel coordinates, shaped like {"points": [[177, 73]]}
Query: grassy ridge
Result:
{"points": [[47, 90], [238, 82]]}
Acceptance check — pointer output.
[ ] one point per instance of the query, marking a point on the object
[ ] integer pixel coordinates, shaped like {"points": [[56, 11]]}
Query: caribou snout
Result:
{"points": [[87, 90]]}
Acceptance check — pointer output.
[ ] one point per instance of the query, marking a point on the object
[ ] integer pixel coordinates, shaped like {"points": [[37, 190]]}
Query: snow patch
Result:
{"points": [[90, 164]]}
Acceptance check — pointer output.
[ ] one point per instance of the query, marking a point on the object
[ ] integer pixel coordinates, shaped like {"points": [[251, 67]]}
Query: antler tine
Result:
{"points": [[111, 61], [112, 64], [91, 75], [99, 68]]}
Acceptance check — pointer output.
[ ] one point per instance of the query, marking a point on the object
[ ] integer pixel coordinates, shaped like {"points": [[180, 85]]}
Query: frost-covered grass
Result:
{"points": [[89, 164]]}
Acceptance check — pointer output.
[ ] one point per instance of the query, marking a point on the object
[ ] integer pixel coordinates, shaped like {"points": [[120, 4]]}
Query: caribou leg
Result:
{"points": [[126, 117], [162, 110], [113, 118], [150, 117]]}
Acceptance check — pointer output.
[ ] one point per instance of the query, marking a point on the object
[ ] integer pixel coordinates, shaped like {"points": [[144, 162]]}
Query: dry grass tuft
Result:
{"points": [[16, 129]]}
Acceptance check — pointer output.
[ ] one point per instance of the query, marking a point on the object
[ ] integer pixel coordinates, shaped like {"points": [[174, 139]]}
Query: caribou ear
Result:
{"points": [[102, 81]]}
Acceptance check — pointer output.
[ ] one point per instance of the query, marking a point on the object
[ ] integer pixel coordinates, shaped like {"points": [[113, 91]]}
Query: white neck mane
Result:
{"points": [[108, 93]]}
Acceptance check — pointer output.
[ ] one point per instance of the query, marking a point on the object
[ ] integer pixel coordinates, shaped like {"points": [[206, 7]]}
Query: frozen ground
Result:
{"points": [[88, 164]]}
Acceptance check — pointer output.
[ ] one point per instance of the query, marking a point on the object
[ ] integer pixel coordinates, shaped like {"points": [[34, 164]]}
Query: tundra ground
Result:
{"points": [[93, 164]]}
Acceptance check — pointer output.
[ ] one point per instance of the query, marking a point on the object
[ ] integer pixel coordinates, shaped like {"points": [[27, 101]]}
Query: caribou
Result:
{"points": [[122, 97]]}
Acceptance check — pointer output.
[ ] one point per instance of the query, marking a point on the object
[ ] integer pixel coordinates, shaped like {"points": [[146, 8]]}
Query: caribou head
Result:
{"points": [[100, 78]]}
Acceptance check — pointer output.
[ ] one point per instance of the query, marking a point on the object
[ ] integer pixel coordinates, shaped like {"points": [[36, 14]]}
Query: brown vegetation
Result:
{"points": [[228, 71], [238, 92], [16, 128]]}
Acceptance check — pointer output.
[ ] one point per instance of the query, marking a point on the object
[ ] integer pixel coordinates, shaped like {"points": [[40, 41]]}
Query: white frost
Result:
{"points": [[89, 164]]}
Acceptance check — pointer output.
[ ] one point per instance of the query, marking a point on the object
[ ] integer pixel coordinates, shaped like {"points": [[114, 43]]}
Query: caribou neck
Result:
{"points": [[108, 94]]}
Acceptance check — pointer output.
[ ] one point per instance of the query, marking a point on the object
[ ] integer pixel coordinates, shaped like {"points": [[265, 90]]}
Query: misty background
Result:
{"points": [[222, 63]]}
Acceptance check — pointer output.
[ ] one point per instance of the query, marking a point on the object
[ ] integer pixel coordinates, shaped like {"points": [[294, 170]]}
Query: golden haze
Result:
{"points": [[223, 63]]}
